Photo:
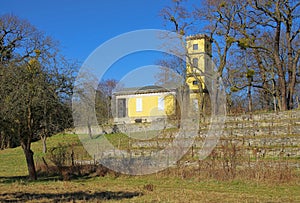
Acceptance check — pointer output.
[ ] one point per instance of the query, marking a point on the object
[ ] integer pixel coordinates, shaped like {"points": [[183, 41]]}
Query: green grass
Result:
{"points": [[13, 161], [167, 187], [119, 140]]}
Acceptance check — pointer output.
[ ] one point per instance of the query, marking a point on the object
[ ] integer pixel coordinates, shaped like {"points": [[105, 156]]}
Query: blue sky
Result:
{"points": [[82, 25]]}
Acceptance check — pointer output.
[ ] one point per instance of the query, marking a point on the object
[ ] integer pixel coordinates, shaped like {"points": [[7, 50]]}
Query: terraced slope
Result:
{"points": [[266, 134]]}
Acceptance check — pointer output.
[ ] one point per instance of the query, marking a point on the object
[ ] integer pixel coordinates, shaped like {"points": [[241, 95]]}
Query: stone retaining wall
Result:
{"points": [[266, 134]]}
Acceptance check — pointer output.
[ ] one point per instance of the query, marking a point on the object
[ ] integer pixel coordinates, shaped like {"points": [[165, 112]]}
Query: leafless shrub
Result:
{"points": [[230, 161], [231, 157], [149, 187], [268, 171]]}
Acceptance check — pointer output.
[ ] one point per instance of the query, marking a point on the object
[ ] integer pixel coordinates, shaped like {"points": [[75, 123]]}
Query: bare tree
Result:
{"points": [[267, 30], [272, 28], [104, 99]]}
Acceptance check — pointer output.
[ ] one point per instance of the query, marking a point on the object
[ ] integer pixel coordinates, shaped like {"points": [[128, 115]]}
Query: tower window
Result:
{"points": [[195, 82], [195, 62], [196, 104], [195, 46]]}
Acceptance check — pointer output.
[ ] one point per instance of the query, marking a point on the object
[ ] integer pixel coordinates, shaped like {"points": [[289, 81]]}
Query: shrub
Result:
{"points": [[58, 155]]}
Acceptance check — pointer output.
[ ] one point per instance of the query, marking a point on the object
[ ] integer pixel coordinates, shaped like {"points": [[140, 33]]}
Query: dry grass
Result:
{"points": [[226, 176], [153, 188]]}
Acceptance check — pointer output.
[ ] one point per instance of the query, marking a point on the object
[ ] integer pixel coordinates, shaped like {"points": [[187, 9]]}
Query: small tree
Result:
{"points": [[103, 100]]}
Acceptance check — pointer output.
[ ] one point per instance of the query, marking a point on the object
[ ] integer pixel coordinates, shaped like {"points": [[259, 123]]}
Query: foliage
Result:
{"points": [[35, 87], [58, 155], [250, 73]]}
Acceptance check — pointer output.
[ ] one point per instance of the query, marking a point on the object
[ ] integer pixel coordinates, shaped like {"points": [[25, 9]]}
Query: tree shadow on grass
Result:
{"points": [[12, 179], [59, 197], [15, 179], [67, 197], [41, 178]]}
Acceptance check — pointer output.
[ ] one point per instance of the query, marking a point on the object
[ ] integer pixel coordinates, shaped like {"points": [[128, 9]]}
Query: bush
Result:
{"points": [[58, 155]]}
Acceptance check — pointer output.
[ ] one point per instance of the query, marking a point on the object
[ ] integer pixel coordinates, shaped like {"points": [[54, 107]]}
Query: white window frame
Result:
{"points": [[161, 104], [139, 105]]}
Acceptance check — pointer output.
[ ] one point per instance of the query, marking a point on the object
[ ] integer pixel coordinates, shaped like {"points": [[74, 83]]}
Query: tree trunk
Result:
{"points": [[274, 103], [292, 59], [30, 163], [89, 129], [44, 138], [249, 100], [280, 68]]}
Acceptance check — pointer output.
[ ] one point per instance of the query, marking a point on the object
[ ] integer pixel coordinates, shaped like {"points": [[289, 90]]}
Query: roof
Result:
{"points": [[143, 90], [198, 36]]}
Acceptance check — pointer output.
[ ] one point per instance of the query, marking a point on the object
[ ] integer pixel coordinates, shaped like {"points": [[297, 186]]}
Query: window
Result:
{"points": [[195, 62], [195, 82], [161, 104], [139, 104], [195, 46], [195, 104], [207, 64]]}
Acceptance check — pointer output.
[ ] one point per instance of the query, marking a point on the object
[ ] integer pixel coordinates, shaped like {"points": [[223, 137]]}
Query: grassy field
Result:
{"points": [[161, 187]]}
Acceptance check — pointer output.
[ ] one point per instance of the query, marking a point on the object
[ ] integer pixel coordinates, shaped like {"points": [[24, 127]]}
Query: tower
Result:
{"points": [[198, 60]]}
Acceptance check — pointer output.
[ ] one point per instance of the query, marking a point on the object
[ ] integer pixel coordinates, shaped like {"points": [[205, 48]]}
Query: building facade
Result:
{"points": [[152, 103]]}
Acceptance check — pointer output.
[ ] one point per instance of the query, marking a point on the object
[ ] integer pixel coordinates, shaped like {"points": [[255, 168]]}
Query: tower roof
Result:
{"points": [[197, 36]]}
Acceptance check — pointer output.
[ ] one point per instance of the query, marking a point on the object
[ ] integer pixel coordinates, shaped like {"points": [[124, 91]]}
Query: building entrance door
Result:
{"points": [[121, 108]]}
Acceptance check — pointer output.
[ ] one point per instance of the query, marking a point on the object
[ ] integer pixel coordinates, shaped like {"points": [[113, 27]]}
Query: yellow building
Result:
{"points": [[199, 53], [144, 105], [153, 102]]}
